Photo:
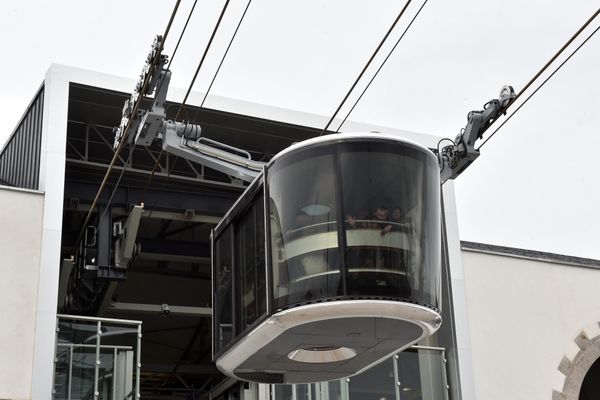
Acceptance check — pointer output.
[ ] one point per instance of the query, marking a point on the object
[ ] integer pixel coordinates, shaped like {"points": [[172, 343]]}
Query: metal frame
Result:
{"points": [[98, 346], [165, 168], [322, 388], [347, 137], [57, 81], [71, 346]]}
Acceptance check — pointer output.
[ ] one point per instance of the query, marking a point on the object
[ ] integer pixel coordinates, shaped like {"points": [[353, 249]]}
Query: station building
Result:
{"points": [[516, 323]]}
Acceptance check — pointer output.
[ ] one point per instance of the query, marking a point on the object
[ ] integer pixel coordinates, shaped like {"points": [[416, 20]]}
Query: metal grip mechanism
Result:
{"points": [[456, 157]]}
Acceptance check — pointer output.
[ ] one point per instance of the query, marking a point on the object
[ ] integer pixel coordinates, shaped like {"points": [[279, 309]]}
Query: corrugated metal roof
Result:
{"points": [[20, 156]]}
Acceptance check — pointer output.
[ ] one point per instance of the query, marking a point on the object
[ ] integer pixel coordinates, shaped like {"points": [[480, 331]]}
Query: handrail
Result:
{"points": [[96, 319], [433, 348], [362, 221], [350, 270], [225, 146], [102, 346]]}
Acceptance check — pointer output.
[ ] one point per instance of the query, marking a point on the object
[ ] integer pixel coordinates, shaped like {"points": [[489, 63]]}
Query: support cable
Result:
{"points": [[159, 86], [128, 127], [366, 66], [381, 66], [212, 36], [558, 53], [187, 21], [542, 70], [539, 87], [158, 159], [217, 71], [223, 59]]}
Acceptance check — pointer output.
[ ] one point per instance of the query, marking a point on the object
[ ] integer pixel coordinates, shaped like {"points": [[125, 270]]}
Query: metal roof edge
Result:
{"points": [[533, 255], [233, 105], [37, 93], [19, 189]]}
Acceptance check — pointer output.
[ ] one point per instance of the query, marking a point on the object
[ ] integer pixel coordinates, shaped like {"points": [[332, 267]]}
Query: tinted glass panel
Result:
{"points": [[421, 374], [374, 384], [392, 223], [304, 238], [251, 263], [224, 293]]}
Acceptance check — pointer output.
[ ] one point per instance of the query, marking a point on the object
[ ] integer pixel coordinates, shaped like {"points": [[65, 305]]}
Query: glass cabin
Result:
{"points": [[329, 262]]}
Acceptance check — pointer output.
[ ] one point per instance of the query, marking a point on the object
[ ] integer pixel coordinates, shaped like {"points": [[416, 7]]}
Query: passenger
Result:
{"points": [[401, 222], [358, 221], [380, 220], [397, 215]]}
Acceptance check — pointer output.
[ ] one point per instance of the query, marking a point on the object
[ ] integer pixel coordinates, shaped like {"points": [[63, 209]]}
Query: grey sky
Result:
{"points": [[534, 185]]}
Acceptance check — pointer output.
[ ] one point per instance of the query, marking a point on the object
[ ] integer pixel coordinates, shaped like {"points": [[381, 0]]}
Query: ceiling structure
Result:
{"points": [[182, 202]]}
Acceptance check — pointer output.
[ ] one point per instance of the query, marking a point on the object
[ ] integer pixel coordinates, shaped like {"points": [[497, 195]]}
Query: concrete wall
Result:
{"points": [[524, 316], [20, 243]]}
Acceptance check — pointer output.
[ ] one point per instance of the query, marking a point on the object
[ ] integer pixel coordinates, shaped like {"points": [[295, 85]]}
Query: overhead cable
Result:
{"points": [[183, 103], [539, 87], [159, 86], [136, 107], [558, 53], [206, 49], [381, 66], [543, 69], [366, 66], [223, 58], [187, 21]]}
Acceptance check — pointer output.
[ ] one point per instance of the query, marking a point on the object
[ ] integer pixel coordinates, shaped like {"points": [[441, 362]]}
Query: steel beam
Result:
{"points": [[125, 244], [202, 202], [198, 251], [160, 309], [194, 369]]}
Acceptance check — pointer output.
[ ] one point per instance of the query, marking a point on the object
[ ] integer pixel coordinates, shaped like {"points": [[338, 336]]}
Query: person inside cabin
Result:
{"points": [[358, 220], [397, 215], [381, 220]]}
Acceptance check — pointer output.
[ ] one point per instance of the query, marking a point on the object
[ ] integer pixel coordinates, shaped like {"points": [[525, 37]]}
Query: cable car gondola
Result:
{"points": [[329, 262]]}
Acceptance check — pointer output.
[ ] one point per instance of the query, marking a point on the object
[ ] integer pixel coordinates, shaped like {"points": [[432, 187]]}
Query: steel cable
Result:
{"points": [[381, 66], [539, 87], [223, 58], [128, 126], [156, 164], [366, 66], [159, 86]]}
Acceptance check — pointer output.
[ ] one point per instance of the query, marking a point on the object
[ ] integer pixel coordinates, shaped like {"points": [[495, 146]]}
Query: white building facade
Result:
{"points": [[533, 322]]}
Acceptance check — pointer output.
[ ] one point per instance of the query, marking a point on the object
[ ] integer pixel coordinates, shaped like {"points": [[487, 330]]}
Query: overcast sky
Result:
{"points": [[535, 184]]}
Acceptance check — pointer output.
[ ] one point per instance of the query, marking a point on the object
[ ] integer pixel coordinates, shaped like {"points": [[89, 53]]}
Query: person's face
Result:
{"points": [[396, 213], [381, 214]]}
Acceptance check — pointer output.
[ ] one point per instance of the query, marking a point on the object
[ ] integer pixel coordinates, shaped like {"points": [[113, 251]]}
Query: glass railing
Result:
{"points": [[97, 358], [416, 373]]}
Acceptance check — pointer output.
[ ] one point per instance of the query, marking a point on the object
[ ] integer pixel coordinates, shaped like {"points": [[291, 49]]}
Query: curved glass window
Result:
{"points": [[304, 233], [391, 221], [377, 201]]}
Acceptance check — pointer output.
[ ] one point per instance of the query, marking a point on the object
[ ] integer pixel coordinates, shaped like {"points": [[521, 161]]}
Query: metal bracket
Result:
{"points": [[455, 158], [127, 114], [176, 139], [126, 234]]}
